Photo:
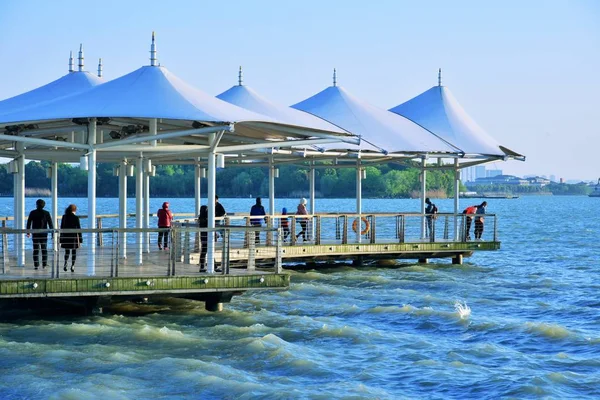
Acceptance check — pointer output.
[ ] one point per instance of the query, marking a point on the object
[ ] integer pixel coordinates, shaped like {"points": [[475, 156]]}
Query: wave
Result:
{"points": [[552, 331]]}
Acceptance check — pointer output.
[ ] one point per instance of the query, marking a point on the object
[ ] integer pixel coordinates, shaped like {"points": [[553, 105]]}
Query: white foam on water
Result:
{"points": [[463, 309]]}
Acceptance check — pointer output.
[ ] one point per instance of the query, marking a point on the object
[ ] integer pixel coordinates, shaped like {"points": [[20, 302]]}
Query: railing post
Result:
{"points": [[446, 227], [401, 229], [318, 231], [225, 255], [278, 253], [251, 252], [247, 234], [345, 230], [373, 234], [186, 246], [269, 233], [99, 239], [293, 231], [172, 252], [115, 248], [495, 219]]}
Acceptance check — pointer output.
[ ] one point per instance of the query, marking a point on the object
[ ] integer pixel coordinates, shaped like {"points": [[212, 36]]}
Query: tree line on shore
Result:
{"points": [[382, 181]]}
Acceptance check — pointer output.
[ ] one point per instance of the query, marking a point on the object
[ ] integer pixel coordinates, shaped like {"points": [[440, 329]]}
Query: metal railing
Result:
{"points": [[122, 252]]}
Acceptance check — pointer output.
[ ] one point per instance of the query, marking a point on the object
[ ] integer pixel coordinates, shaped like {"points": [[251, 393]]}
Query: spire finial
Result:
{"points": [[71, 68], [80, 58], [153, 60], [334, 77], [100, 68], [240, 77], [440, 77]]}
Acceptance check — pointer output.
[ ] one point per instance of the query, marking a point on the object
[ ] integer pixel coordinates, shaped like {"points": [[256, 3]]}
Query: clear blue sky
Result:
{"points": [[527, 71]]}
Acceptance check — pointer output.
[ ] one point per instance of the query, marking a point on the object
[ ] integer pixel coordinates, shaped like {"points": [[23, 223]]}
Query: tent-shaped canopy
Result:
{"points": [[438, 111], [152, 92], [380, 130], [243, 96], [72, 83]]}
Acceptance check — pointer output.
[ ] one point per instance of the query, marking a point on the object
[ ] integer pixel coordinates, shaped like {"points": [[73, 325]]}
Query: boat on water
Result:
{"points": [[492, 195], [596, 192]]}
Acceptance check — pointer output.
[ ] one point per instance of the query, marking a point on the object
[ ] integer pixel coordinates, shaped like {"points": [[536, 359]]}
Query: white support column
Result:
{"points": [[271, 187], [153, 129], [147, 210], [123, 207], [423, 195], [197, 189], [91, 190], [311, 183], [456, 198], [20, 205], [358, 200], [139, 198], [212, 186], [54, 212]]}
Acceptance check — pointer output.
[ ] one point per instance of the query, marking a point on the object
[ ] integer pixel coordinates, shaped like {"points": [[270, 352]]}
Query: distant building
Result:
{"points": [[500, 180], [479, 172], [538, 181], [493, 172], [553, 178]]}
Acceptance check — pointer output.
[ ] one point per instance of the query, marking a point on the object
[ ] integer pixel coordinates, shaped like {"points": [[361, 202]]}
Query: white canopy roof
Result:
{"points": [[245, 97], [154, 92], [384, 131], [72, 83], [437, 110]]}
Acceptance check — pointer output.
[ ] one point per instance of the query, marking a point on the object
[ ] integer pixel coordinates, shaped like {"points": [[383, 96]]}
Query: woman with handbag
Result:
{"points": [[72, 240]]}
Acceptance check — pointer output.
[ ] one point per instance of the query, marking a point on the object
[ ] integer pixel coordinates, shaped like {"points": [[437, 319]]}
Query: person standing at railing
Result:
{"points": [[301, 210], [430, 210], [219, 212], [40, 219], [70, 241], [284, 223], [479, 220], [203, 223], [257, 209], [165, 217], [468, 213]]}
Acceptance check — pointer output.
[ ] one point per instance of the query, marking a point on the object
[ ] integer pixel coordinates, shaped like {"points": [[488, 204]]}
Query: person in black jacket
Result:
{"points": [[203, 223], [72, 240], [40, 219]]}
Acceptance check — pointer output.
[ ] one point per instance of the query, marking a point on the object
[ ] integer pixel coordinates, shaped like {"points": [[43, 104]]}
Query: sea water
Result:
{"points": [[522, 322]]}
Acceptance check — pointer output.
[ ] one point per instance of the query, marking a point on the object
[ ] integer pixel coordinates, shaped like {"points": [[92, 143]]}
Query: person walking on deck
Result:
{"points": [[257, 209], [165, 217], [203, 223], [301, 210], [430, 210], [70, 241], [40, 219], [479, 220]]}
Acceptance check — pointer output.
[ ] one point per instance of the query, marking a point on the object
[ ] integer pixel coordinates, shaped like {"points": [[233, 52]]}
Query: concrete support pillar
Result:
{"points": [[91, 193], [456, 199], [423, 261], [54, 210], [423, 196], [458, 259], [213, 306], [212, 188], [271, 187], [358, 200], [20, 204], [123, 207], [311, 182], [197, 188], [147, 211], [139, 201]]}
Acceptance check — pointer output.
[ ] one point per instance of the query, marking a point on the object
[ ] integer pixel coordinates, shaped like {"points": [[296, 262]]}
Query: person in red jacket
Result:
{"points": [[165, 217], [469, 212]]}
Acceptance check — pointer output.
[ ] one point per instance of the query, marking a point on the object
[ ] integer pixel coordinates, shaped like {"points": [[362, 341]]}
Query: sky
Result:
{"points": [[527, 71]]}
